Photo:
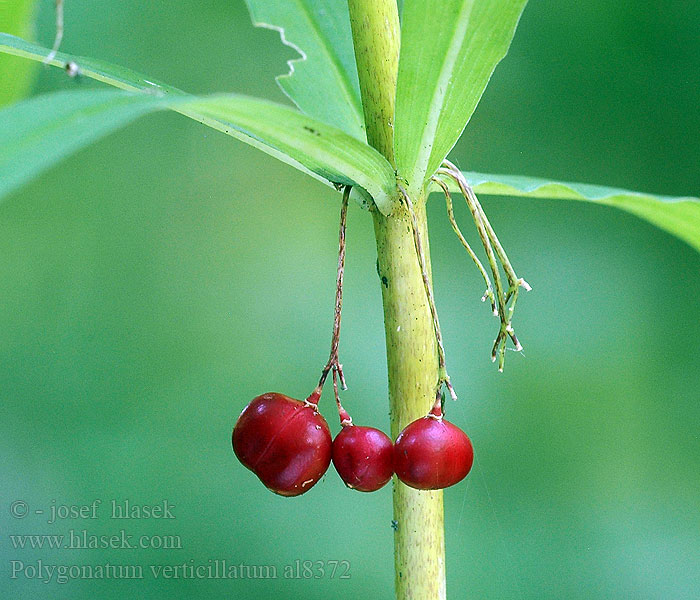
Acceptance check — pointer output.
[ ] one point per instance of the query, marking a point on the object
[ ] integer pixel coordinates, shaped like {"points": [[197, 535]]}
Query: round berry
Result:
{"points": [[285, 442], [432, 453], [363, 457]]}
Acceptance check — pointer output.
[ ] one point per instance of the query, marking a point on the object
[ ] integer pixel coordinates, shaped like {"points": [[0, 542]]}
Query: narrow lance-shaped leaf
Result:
{"points": [[679, 216], [321, 148], [125, 79], [323, 83], [37, 133], [449, 49], [312, 146], [114, 75]]}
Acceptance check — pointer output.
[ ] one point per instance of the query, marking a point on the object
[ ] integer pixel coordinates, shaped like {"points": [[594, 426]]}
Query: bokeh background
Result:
{"points": [[152, 284]]}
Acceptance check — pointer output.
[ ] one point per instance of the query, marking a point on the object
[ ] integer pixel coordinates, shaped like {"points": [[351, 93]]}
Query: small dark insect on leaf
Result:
{"points": [[312, 131]]}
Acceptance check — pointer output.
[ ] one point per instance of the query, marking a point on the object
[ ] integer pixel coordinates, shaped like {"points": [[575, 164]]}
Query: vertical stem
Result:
{"points": [[376, 35], [419, 539], [412, 358]]}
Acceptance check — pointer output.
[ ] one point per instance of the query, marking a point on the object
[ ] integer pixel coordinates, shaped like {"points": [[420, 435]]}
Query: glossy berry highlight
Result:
{"points": [[285, 442], [432, 453], [363, 457]]}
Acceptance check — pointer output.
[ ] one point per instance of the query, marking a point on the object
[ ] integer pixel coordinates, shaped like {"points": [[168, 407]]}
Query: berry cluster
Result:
{"points": [[288, 445]]}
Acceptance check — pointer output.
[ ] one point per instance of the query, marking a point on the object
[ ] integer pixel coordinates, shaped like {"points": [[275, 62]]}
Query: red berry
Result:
{"points": [[363, 457], [432, 453], [285, 442]]}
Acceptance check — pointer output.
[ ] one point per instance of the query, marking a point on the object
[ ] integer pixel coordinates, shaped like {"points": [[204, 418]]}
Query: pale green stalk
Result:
{"points": [[412, 361], [376, 38], [412, 353]]}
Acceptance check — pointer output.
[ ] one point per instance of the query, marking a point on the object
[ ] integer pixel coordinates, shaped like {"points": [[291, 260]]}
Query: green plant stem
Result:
{"points": [[412, 362], [376, 35], [411, 348]]}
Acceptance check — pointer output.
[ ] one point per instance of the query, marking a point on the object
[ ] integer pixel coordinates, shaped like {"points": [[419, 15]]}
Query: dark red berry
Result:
{"points": [[432, 453], [285, 442], [363, 457]]}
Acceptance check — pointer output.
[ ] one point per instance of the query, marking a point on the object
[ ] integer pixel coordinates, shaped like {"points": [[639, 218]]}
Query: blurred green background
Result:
{"points": [[154, 283]]}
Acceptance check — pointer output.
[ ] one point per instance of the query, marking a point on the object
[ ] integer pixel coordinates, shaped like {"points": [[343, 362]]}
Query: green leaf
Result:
{"points": [[323, 83], [321, 148], [449, 49], [318, 149], [114, 75], [17, 18], [679, 216], [37, 133]]}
